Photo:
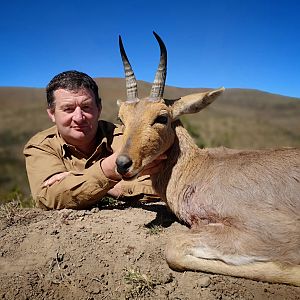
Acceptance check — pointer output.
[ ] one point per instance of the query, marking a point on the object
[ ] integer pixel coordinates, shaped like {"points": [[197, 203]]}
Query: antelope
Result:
{"points": [[242, 206]]}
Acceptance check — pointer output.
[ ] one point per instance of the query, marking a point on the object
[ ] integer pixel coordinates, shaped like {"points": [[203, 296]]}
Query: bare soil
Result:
{"points": [[116, 252]]}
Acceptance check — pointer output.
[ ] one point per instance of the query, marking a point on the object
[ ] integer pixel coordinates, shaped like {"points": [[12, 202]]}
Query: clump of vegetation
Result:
{"points": [[155, 229], [16, 196], [11, 204], [140, 284], [9, 210], [109, 202]]}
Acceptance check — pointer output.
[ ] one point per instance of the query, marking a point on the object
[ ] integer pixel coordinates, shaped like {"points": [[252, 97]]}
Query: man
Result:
{"points": [[72, 164]]}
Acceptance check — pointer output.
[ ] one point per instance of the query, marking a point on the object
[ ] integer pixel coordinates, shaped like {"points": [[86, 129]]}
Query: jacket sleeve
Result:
{"points": [[77, 190], [140, 186]]}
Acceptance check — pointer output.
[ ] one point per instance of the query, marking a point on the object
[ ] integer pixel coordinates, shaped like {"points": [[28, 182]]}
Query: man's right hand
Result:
{"points": [[117, 191], [108, 166]]}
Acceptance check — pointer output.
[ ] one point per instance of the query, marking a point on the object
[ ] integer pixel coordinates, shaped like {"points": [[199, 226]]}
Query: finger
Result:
{"points": [[48, 182], [51, 180], [55, 178], [45, 183]]}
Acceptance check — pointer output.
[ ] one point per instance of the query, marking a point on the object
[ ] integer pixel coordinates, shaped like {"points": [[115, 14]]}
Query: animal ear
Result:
{"points": [[193, 103]]}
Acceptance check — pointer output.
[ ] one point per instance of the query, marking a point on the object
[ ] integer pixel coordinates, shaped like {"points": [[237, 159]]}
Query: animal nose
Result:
{"points": [[123, 163]]}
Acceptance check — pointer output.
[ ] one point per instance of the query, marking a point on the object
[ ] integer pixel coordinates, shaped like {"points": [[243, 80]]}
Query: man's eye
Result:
{"points": [[163, 119], [86, 107], [68, 109]]}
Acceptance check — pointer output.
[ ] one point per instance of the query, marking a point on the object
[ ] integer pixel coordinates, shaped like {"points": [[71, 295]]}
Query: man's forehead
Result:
{"points": [[64, 95]]}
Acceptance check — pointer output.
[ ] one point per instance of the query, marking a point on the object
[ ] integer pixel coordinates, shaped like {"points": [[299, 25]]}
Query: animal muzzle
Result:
{"points": [[123, 163]]}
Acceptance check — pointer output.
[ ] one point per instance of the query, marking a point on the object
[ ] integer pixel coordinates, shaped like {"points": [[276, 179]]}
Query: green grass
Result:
{"points": [[16, 196], [108, 202]]}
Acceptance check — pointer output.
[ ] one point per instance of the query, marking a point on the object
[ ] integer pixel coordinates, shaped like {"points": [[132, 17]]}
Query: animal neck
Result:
{"points": [[184, 144], [182, 151]]}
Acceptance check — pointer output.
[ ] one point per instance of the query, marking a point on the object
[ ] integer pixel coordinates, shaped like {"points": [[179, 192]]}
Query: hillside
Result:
{"points": [[238, 119]]}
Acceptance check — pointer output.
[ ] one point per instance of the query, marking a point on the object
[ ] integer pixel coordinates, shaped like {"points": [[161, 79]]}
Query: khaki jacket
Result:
{"points": [[47, 154]]}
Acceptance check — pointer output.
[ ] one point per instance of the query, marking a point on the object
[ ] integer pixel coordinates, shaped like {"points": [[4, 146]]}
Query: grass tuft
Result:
{"points": [[155, 229], [109, 202], [140, 284]]}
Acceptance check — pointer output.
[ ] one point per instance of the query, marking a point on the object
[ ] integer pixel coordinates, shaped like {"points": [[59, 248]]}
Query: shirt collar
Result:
{"points": [[101, 136]]}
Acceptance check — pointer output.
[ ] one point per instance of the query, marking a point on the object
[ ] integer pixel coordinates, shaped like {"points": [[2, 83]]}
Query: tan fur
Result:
{"points": [[242, 207]]}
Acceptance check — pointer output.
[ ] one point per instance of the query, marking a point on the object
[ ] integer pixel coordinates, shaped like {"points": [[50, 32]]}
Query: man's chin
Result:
{"points": [[83, 130], [80, 134], [77, 138]]}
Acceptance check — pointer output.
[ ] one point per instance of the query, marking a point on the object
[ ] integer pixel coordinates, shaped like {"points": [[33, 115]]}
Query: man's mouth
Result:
{"points": [[80, 128]]}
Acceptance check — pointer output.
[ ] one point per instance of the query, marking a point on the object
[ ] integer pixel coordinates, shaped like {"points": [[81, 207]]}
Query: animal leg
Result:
{"points": [[192, 251]]}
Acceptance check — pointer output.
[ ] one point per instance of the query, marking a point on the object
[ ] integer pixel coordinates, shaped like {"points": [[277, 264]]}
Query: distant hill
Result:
{"points": [[239, 119]]}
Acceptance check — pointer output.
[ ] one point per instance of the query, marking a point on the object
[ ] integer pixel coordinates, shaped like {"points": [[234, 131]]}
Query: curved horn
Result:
{"points": [[158, 86], [131, 84]]}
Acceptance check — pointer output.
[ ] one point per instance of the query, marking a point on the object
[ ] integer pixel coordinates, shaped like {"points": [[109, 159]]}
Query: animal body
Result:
{"points": [[242, 207]]}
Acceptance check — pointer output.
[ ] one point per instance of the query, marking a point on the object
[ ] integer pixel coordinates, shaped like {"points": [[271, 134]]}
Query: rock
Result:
{"points": [[204, 282]]}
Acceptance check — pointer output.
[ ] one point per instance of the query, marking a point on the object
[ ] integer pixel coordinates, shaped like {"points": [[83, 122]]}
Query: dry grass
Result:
{"points": [[9, 210], [139, 284], [155, 229]]}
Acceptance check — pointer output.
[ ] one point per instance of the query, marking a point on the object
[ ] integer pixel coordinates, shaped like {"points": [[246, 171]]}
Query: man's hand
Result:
{"points": [[108, 166], [116, 191], [54, 178]]}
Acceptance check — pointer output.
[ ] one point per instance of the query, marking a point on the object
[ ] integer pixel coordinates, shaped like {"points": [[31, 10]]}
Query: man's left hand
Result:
{"points": [[54, 178]]}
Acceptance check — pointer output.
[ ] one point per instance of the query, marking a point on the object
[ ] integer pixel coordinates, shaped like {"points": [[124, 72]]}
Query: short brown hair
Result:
{"points": [[72, 81]]}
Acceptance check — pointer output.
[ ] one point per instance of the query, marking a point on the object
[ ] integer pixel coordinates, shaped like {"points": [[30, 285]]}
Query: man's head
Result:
{"points": [[74, 106]]}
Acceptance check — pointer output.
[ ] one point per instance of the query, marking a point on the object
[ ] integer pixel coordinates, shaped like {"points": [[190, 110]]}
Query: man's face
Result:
{"points": [[76, 116]]}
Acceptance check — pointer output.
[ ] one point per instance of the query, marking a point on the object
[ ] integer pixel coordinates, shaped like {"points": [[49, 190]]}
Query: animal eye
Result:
{"points": [[163, 119]]}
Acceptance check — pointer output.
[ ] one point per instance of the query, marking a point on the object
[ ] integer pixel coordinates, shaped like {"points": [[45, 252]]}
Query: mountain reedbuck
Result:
{"points": [[242, 207]]}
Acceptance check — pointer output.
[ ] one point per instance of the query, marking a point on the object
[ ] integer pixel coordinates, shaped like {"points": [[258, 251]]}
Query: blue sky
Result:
{"points": [[236, 44]]}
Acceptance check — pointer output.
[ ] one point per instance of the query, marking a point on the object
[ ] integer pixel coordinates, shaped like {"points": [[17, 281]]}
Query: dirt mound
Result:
{"points": [[113, 253]]}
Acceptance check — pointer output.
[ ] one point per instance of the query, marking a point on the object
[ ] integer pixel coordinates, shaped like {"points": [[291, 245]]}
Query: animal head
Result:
{"points": [[147, 122]]}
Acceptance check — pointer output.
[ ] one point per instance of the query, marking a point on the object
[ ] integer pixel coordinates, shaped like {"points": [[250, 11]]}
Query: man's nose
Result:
{"points": [[78, 115]]}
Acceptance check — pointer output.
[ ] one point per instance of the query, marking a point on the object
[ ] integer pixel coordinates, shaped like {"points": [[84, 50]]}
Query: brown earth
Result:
{"points": [[116, 252]]}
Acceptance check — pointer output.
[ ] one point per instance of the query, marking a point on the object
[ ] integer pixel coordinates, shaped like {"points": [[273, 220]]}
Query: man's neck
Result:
{"points": [[87, 149]]}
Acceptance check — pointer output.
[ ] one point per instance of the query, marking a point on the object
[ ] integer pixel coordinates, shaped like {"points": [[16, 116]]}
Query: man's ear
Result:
{"points": [[51, 114], [193, 103], [99, 110]]}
